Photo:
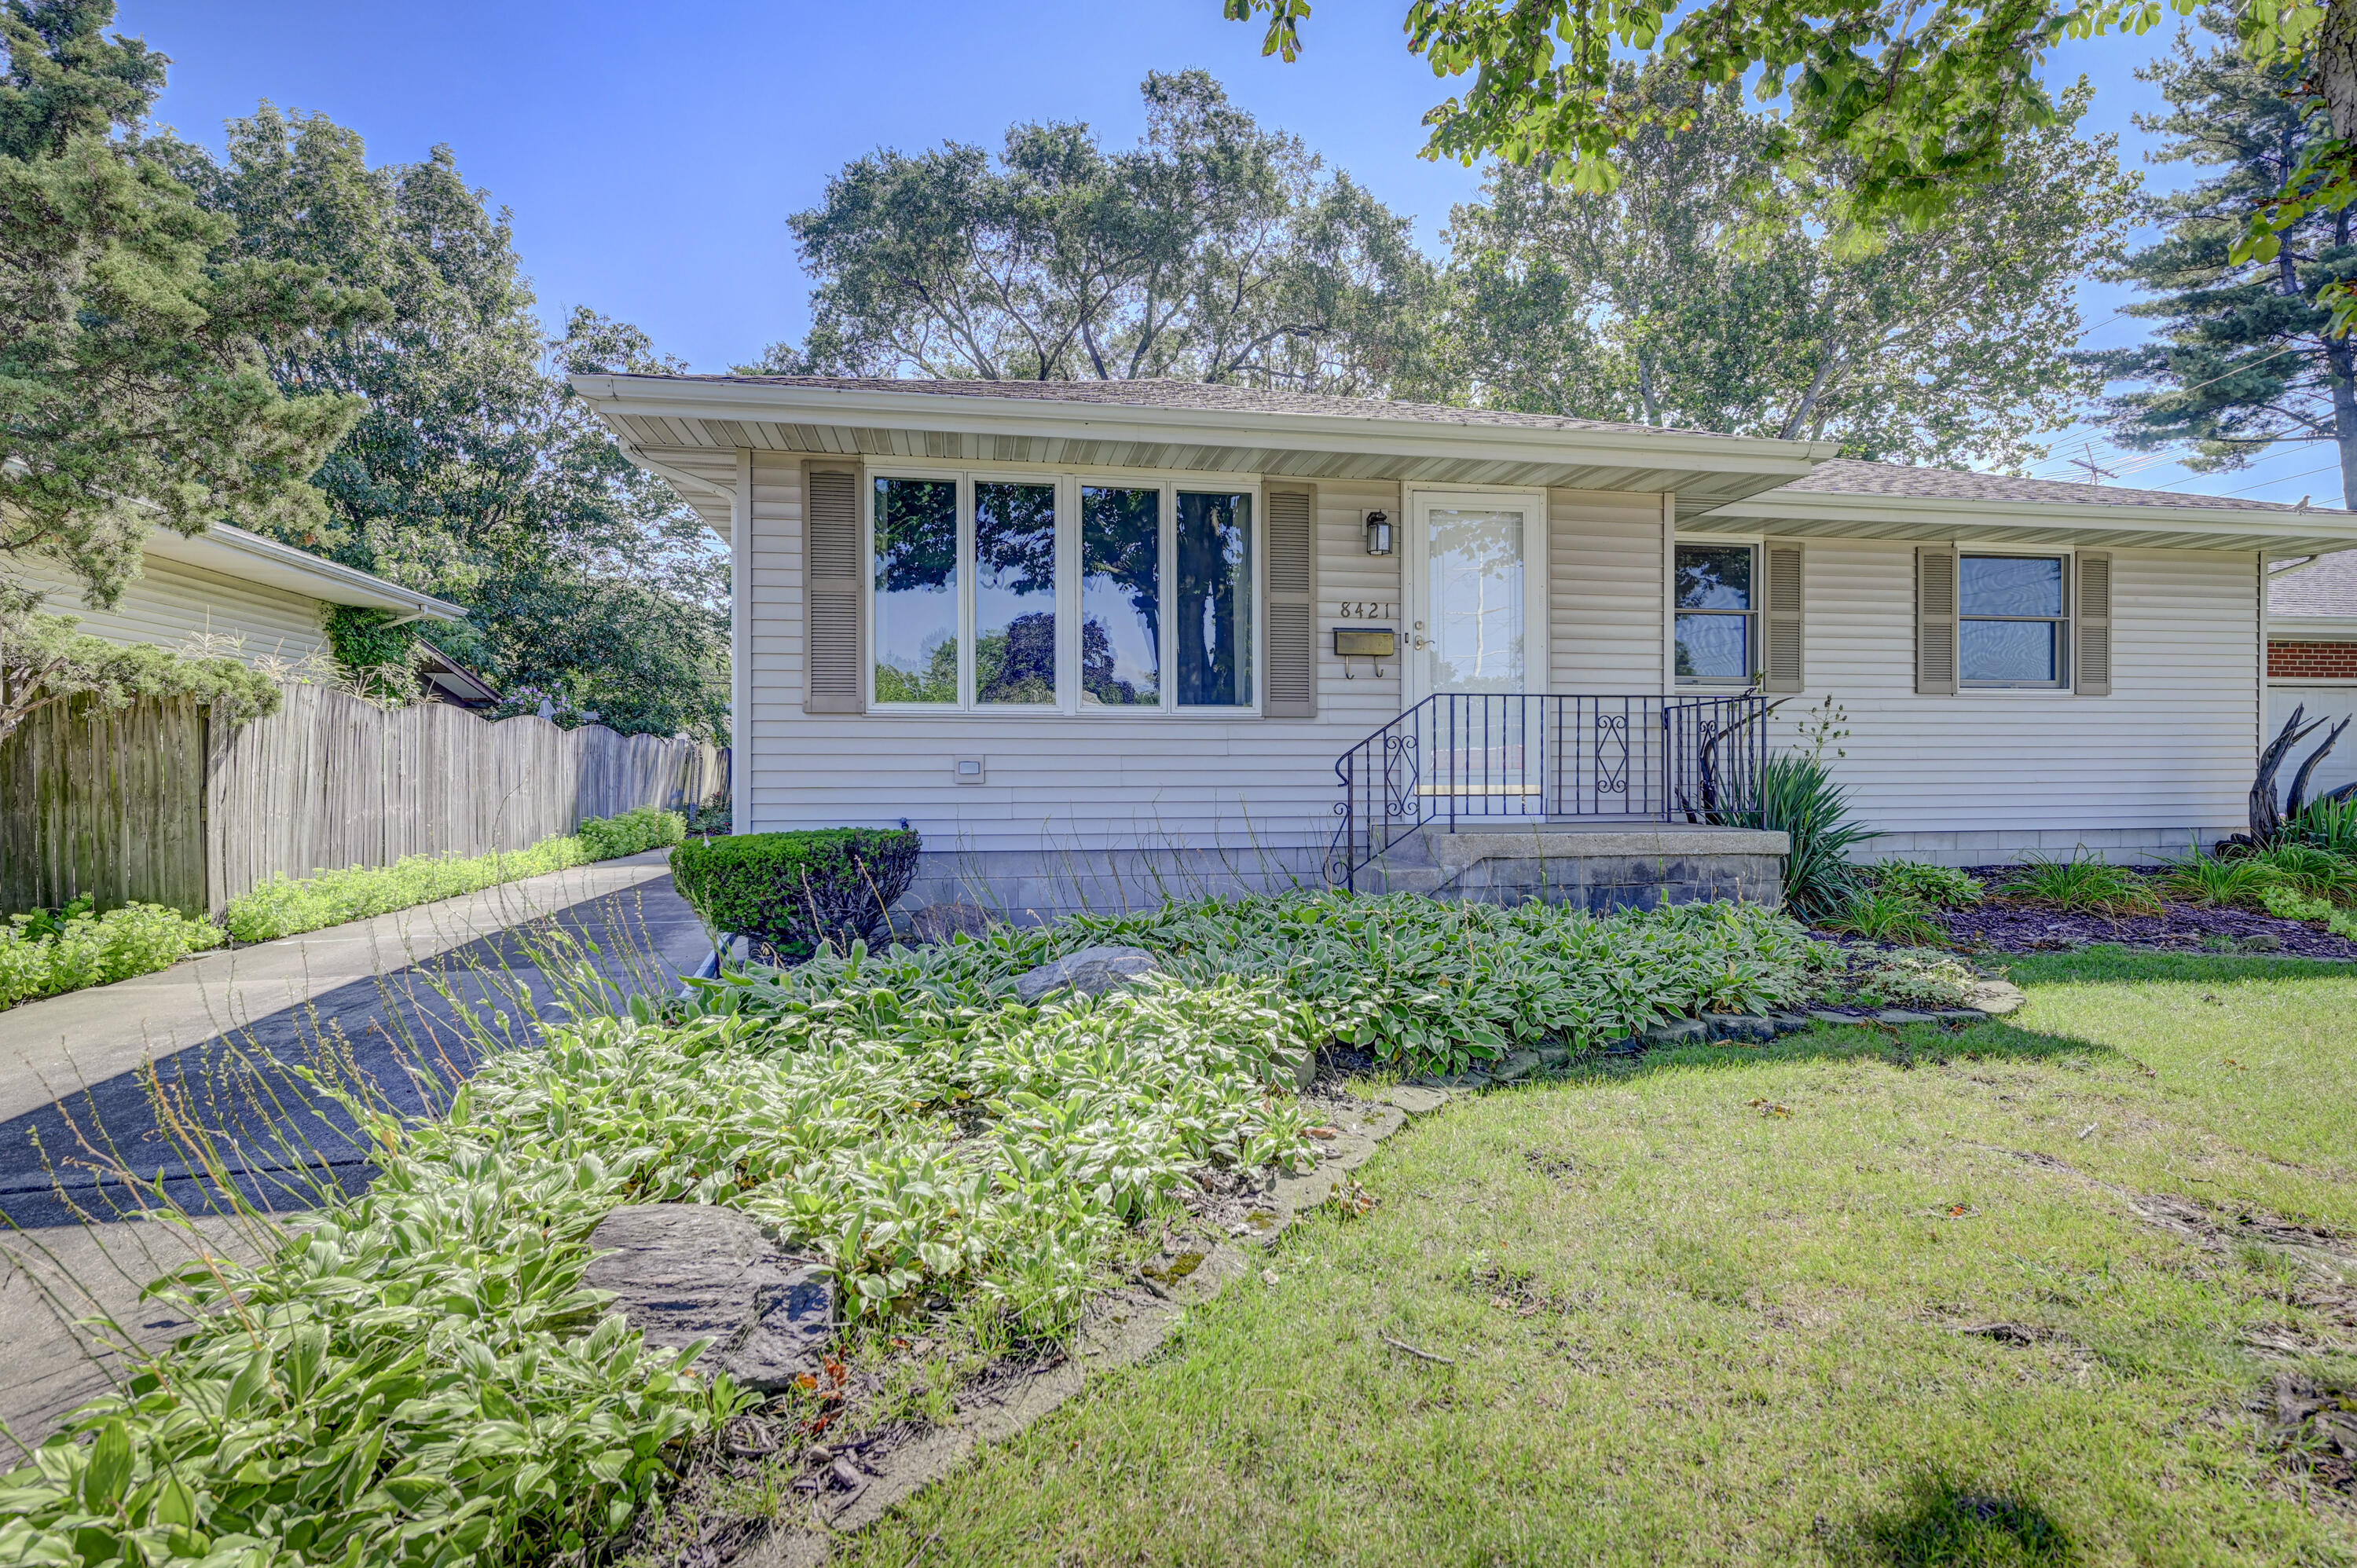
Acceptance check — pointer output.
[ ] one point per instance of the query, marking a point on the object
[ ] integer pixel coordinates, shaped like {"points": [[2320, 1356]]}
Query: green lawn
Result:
{"points": [[1688, 1328]]}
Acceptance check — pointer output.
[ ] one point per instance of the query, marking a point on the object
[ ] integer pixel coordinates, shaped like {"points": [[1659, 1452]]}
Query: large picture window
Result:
{"points": [[997, 593], [1715, 607], [2012, 620]]}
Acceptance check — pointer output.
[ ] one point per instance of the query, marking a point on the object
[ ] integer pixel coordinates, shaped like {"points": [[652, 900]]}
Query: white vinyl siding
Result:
{"points": [[2332, 701], [168, 603], [2168, 751], [1605, 592]]}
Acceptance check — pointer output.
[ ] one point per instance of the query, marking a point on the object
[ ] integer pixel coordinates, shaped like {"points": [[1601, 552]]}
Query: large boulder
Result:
{"points": [[1091, 972], [684, 1271]]}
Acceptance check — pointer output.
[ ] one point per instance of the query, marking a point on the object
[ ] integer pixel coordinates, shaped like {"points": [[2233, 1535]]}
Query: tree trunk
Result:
{"points": [[2336, 65], [2340, 366]]}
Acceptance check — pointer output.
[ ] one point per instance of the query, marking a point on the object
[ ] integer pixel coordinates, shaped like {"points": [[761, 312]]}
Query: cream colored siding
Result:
{"points": [[169, 603], [2166, 754], [1605, 593]]}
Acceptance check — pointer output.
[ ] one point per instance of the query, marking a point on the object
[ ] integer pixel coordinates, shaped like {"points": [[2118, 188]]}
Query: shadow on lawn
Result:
{"points": [[1915, 1044], [2106, 965], [1943, 1524]]}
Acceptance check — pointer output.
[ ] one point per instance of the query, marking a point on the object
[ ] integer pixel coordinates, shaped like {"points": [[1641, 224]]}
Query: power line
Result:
{"points": [[2282, 479]]}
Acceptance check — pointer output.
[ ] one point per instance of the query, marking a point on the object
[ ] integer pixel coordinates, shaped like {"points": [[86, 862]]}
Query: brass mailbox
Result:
{"points": [[1364, 642]]}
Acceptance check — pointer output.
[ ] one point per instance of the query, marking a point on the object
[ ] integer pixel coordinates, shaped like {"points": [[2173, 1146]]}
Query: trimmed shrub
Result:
{"points": [[47, 954], [795, 892]]}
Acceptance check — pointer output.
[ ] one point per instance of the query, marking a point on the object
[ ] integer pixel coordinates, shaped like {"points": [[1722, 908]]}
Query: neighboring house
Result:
{"points": [[444, 679], [2312, 656], [228, 586], [1100, 641]]}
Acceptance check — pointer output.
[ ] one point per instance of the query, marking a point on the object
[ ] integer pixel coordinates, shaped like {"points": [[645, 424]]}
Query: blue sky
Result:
{"points": [[650, 154]]}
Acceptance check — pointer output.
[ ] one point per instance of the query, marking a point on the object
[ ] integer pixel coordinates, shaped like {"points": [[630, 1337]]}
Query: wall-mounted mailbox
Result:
{"points": [[1366, 642]]}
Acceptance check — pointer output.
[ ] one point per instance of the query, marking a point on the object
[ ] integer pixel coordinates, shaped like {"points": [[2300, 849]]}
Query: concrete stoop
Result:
{"points": [[1594, 865]]}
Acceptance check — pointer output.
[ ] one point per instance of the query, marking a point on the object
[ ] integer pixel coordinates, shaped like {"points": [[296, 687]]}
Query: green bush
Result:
{"points": [[2318, 873], [2081, 881], [794, 893], [2289, 903], [286, 905], [2214, 883], [2327, 824], [48, 954], [1797, 796], [1934, 886], [632, 833]]}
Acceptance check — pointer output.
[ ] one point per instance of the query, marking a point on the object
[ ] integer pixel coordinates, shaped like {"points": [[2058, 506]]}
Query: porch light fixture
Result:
{"points": [[1379, 533]]}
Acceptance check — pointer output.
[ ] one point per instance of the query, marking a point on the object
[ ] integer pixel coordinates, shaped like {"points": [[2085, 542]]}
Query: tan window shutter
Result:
{"points": [[1292, 606], [2091, 662], [1783, 623], [831, 593], [1935, 620]]}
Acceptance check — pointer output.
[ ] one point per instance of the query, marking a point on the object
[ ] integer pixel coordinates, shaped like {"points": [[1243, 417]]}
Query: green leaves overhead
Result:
{"points": [[1215, 251], [1920, 103]]}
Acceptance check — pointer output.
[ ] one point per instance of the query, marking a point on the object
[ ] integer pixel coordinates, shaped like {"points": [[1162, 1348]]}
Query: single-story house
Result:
{"points": [[233, 591], [2312, 653], [1100, 641]]}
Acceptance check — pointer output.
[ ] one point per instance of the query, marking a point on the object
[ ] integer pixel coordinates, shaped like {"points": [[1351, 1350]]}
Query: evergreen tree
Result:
{"points": [[132, 386], [2244, 360]]}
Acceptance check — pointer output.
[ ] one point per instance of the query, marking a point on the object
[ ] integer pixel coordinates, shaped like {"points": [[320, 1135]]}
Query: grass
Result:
{"points": [[1705, 1309]]}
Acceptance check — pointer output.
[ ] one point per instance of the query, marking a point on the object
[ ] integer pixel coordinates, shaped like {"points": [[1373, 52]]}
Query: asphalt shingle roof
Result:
{"points": [[2324, 586], [1845, 476]]}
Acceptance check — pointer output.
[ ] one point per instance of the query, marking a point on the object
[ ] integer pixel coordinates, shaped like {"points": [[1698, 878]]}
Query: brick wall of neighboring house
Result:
{"points": [[2311, 660]]}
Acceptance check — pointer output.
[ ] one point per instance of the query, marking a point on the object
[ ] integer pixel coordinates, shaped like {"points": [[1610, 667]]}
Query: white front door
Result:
{"points": [[1476, 594]]}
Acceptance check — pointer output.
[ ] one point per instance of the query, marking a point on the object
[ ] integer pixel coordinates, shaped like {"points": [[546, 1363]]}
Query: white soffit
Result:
{"points": [[1830, 514]]}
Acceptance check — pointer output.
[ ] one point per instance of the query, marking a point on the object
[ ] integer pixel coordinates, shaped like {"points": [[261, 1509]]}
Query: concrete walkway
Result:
{"points": [[90, 1082], [120, 1079]]}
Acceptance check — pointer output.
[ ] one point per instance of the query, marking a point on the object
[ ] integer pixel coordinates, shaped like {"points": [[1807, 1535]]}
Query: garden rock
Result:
{"points": [[2261, 942], [1091, 972], [1996, 997], [1520, 1065], [940, 922], [1903, 1016], [684, 1271], [1414, 1100], [1739, 1027], [1676, 1032]]}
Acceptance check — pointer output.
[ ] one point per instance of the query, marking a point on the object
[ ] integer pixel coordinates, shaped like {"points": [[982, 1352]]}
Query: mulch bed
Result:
{"points": [[1999, 925]]}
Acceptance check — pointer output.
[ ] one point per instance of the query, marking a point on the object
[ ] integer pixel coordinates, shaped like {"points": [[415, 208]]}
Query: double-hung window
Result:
{"points": [[2013, 620], [1717, 641], [995, 593]]}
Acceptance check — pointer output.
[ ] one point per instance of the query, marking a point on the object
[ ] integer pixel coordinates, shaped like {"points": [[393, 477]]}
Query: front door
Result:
{"points": [[1477, 637], [1477, 595]]}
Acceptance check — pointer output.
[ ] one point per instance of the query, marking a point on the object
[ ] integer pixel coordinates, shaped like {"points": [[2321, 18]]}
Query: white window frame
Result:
{"points": [[1755, 653], [1067, 485], [2063, 623]]}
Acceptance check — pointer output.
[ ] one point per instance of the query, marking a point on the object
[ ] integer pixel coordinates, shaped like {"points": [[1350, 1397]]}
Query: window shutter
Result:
{"points": [[1935, 620], [2091, 663], [1292, 604], [831, 593], [1783, 617]]}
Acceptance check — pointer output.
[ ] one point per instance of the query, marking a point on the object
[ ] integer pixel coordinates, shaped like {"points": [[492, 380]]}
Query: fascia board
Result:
{"points": [[2315, 531], [2313, 628], [950, 413], [234, 553]]}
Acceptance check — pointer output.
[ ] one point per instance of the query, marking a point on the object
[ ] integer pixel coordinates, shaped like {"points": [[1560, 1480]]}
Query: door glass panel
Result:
{"points": [[1013, 594], [1121, 590], [1213, 619], [1473, 601], [916, 591]]}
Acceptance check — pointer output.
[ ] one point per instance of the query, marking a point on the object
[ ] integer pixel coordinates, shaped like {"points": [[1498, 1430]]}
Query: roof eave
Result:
{"points": [[1768, 463], [1834, 513], [234, 553], [2313, 628]]}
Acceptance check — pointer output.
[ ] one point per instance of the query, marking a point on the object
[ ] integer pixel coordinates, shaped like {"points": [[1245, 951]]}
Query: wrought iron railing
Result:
{"points": [[1461, 757]]}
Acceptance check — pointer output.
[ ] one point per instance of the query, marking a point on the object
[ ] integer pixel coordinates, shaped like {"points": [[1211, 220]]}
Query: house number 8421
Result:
{"points": [[1366, 609]]}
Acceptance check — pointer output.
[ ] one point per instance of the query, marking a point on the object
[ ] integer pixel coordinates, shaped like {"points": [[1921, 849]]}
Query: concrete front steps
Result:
{"points": [[1599, 865]]}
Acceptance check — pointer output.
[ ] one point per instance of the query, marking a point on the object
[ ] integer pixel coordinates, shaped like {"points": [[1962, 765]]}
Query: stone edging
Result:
{"points": [[1120, 1329]]}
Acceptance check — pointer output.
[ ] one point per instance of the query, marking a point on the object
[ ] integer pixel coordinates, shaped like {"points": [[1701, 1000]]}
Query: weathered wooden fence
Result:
{"points": [[151, 802]]}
